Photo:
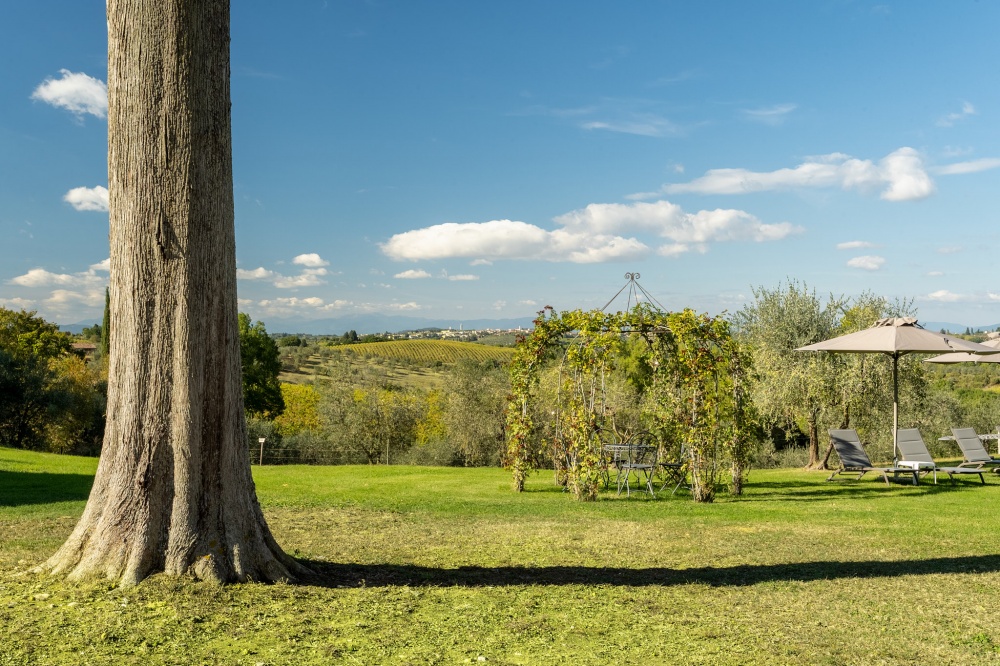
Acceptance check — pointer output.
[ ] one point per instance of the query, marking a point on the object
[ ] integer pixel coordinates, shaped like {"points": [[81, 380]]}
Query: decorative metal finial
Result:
{"points": [[632, 276]]}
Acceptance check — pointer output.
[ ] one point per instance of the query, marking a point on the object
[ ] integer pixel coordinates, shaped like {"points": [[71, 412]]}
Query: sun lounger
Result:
{"points": [[913, 453], [854, 460], [976, 455]]}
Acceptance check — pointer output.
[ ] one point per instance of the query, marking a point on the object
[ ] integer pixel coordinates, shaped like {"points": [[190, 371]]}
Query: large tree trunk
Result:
{"points": [[173, 490]]}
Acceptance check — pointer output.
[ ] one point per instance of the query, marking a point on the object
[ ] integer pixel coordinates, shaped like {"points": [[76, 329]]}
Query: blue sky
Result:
{"points": [[471, 159]]}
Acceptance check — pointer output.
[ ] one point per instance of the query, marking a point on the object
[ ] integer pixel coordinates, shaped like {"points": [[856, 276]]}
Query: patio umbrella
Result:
{"points": [[896, 337], [965, 357]]}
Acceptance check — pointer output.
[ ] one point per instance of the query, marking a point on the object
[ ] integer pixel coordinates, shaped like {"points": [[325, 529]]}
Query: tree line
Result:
{"points": [[358, 412]]}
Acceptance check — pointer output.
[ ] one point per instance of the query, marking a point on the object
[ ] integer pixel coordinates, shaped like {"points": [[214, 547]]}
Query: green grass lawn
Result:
{"points": [[416, 565]]}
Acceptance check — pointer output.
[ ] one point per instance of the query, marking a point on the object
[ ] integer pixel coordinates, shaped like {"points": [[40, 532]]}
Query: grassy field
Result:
{"points": [[447, 566]]}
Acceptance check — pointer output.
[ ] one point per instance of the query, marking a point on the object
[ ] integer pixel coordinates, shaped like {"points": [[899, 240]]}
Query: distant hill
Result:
{"points": [[956, 328], [77, 328], [362, 324], [381, 323]]}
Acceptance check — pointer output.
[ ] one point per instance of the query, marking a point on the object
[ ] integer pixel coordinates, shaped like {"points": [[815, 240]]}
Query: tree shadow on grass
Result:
{"points": [[21, 488], [329, 574], [803, 491]]}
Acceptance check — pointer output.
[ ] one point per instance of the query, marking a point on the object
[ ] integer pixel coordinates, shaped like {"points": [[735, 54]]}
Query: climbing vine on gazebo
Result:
{"points": [[695, 394]]}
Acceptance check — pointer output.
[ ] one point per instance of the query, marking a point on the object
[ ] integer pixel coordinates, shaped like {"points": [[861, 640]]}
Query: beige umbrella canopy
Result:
{"points": [[965, 357], [896, 337]]}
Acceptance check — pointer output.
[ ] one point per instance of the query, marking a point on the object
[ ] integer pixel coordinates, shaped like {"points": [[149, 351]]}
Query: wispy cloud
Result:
{"points": [[463, 278], [594, 234], [309, 277], [854, 245], [950, 119], [972, 166], [412, 275], [945, 296], [39, 277], [626, 116], [770, 115], [88, 198], [16, 303], [76, 92], [867, 262], [900, 176]]}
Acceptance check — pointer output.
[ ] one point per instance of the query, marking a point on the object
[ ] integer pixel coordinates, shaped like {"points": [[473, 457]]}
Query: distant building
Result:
{"points": [[84, 350]]}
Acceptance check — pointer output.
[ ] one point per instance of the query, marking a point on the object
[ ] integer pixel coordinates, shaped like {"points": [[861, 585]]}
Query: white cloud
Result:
{"points": [[403, 307], [949, 249], [463, 278], [481, 262], [771, 115], [993, 297], [900, 175], [288, 306], [260, 273], [854, 245], [76, 92], [311, 260], [944, 296], [307, 278], [88, 198], [16, 303], [39, 277], [64, 297], [972, 166], [589, 235], [935, 273], [102, 266], [866, 262], [950, 119], [412, 275], [527, 302]]}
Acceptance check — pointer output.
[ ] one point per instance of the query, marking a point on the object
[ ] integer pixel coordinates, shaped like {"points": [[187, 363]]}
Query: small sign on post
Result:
{"points": [[261, 440]]}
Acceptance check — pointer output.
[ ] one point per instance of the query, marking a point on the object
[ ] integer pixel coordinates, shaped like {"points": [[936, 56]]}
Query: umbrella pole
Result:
{"points": [[895, 406]]}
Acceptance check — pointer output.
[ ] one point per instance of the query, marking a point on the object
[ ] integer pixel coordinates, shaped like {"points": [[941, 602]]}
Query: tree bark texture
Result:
{"points": [[173, 490]]}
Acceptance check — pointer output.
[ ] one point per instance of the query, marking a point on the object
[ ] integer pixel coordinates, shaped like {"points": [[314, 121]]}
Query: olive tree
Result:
{"points": [[791, 388]]}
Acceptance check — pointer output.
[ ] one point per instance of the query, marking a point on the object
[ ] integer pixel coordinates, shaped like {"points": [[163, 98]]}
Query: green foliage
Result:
{"points": [[261, 365], [474, 411], [29, 349], [686, 367], [812, 392], [290, 341], [791, 389], [374, 422], [76, 415], [301, 409]]}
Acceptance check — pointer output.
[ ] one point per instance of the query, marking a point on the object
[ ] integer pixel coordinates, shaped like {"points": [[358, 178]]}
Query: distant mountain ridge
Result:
{"points": [[949, 327], [380, 323]]}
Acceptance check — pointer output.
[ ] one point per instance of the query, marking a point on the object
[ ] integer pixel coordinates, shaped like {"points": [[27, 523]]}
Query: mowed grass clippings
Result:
{"points": [[419, 565]]}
